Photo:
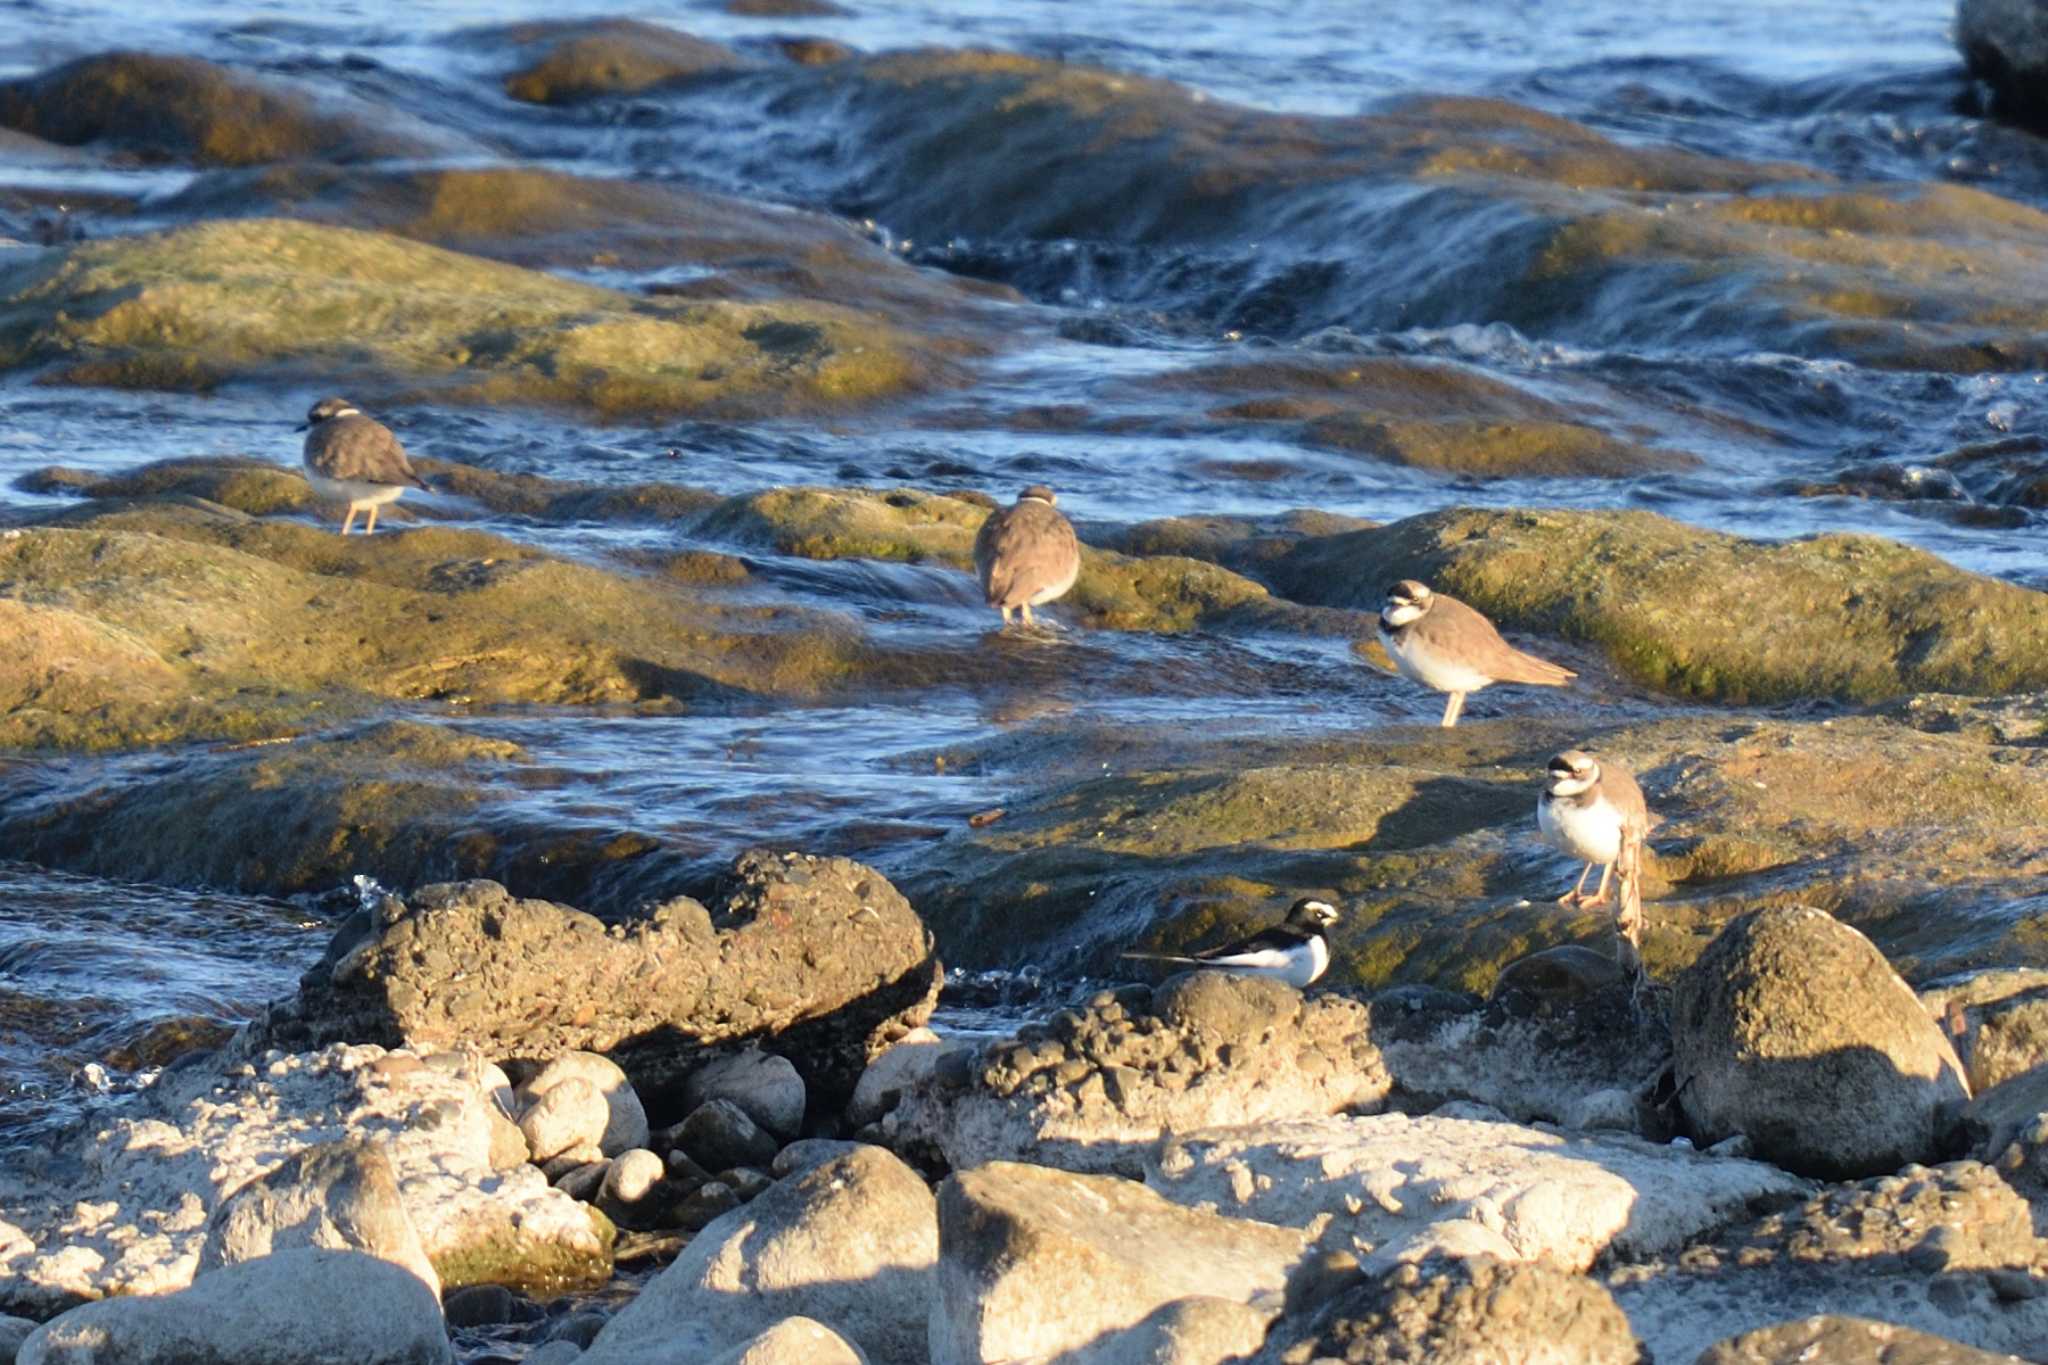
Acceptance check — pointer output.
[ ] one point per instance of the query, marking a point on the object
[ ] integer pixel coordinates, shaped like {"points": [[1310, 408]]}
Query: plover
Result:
{"points": [[1440, 642], [1589, 809], [355, 459], [1026, 554], [1296, 950]]}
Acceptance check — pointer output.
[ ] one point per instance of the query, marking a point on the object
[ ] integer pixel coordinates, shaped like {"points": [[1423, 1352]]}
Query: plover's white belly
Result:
{"points": [[1051, 591], [1420, 664], [1590, 833], [354, 492]]}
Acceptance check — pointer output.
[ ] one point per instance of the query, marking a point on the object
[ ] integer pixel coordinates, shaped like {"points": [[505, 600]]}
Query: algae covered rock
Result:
{"points": [[563, 61], [1792, 1030], [190, 308], [1700, 613], [169, 108]]}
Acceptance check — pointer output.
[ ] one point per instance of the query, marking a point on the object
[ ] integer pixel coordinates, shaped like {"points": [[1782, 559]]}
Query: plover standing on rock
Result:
{"points": [[355, 459], [1297, 950], [1590, 809], [1026, 554], [1440, 642]]}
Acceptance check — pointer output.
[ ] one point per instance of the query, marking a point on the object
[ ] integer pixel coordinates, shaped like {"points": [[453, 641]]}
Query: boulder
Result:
{"points": [[850, 1244], [1035, 1263], [14, 1331], [564, 61], [1999, 1020], [1095, 1088], [1834, 1340], [2008, 1127], [302, 1306], [793, 1341], [2005, 43], [835, 965], [159, 107], [1468, 1311], [625, 1123], [900, 1068], [566, 1121], [123, 1211], [718, 1134], [764, 1086], [1392, 1182], [339, 1195], [250, 299], [1792, 1030]]}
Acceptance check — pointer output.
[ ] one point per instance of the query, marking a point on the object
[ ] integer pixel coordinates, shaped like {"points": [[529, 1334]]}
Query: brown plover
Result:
{"points": [[355, 459], [1440, 642], [1026, 554], [1589, 809]]}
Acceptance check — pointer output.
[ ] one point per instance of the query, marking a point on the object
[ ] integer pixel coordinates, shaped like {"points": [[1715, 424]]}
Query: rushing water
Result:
{"points": [[1862, 89]]}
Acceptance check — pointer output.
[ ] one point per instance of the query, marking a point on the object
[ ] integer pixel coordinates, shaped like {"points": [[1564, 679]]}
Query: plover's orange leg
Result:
{"points": [[370, 526], [1577, 893], [348, 520], [1453, 708], [1600, 897]]}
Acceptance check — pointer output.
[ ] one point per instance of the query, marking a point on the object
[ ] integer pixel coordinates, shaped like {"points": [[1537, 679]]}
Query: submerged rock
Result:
{"points": [[1792, 1030], [1037, 1264], [850, 1243], [2005, 43], [1095, 1088], [1679, 609], [819, 958], [169, 108], [252, 299], [304, 1306]]}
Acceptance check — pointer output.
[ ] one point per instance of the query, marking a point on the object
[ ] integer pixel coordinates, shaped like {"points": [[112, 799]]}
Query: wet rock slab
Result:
{"points": [[123, 1209]]}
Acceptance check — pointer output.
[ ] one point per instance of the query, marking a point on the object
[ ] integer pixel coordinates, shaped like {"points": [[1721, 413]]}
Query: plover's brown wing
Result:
{"points": [[1452, 628], [1622, 791], [359, 450], [1024, 550]]}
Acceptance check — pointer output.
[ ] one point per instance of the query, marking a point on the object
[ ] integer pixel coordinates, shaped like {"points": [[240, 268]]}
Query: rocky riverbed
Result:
{"points": [[636, 906]]}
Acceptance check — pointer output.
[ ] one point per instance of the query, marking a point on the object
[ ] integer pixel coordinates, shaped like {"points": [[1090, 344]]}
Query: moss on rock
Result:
{"points": [[1703, 614], [265, 298], [563, 61]]}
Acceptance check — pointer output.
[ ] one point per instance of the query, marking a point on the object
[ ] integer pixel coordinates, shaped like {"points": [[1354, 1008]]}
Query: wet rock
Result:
{"points": [[850, 1244], [567, 60], [835, 961], [2011, 472], [339, 1195], [1853, 617], [1397, 1184], [14, 1331], [2005, 43], [147, 1181], [904, 1065], [1793, 1030], [765, 1087], [1114, 591], [567, 1120], [1845, 1341], [795, 1341], [1469, 1311], [1097, 1087], [1039, 1262], [194, 307], [625, 1121], [293, 1307], [166, 108], [718, 1133], [480, 1305]]}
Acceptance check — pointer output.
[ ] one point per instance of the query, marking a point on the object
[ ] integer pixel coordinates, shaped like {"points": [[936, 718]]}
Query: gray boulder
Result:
{"points": [[1469, 1311], [850, 1243], [793, 1341], [625, 1120], [2005, 44], [718, 1135], [569, 1120], [304, 1306], [821, 956], [340, 1195], [1094, 1088], [764, 1085], [892, 1073], [1038, 1262], [1831, 1340], [1792, 1030]]}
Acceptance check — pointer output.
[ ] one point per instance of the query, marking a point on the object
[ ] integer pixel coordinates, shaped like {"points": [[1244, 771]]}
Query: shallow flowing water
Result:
{"points": [[1860, 89]]}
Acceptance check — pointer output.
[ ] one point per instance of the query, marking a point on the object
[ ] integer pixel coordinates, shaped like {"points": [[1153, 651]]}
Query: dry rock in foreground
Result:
{"points": [[1035, 1263], [1470, 1311], [849, 1243], [1093, 1089], [820, 958], [130, 1217], [1396, 1187], [1793, 1030], [1831, 1340], [339, 1195], [305, 1306]]}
